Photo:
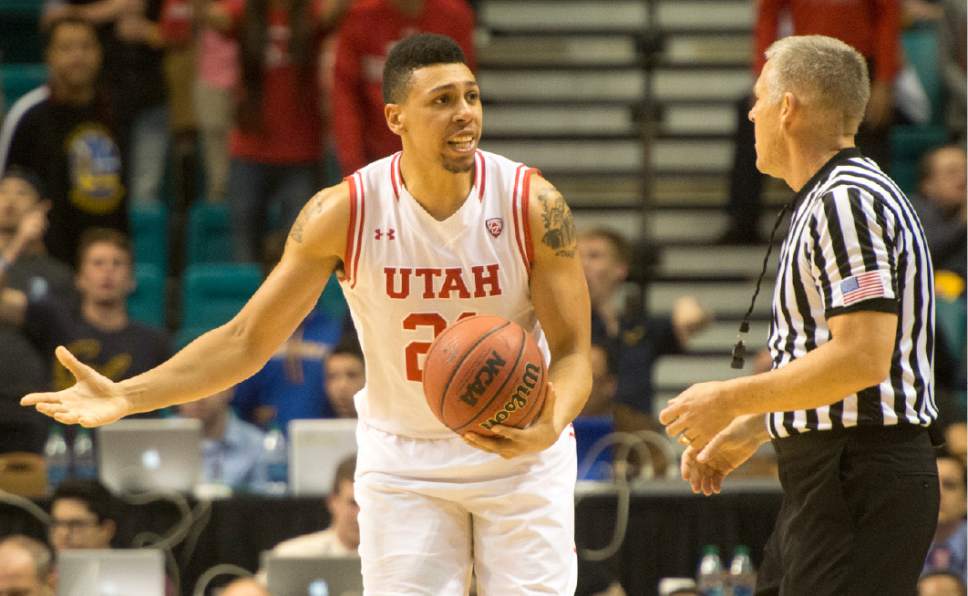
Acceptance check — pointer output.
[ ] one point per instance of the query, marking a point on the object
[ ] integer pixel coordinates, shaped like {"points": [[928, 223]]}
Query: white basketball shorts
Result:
{"points": [[431, 510]]}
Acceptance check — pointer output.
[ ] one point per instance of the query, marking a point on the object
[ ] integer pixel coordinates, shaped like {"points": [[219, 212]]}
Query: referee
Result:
{"points": [[850, 397]]}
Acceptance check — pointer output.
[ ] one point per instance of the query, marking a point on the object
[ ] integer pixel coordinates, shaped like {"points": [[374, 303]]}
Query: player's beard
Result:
{"points": [[458, 166]]}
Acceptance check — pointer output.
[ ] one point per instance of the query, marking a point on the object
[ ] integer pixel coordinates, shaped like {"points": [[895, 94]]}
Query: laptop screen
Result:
{"points": [[311, 576], [117, 572], [316, 448], [161, 454]]}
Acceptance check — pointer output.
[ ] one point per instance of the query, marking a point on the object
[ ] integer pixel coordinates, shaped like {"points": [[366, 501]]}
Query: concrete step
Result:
{"points": [[679, 155], [708, 190], [627, 222], [529, 15], [600, 191], [715, 261], [616, 15], [583, 120], [624, 85], [502, 85], [562, 50], [682, 371], [558, 120], [706, 83], [691, 119], [721, 335], [695, 47], [724, 299], [706, 15], [698, 227]]}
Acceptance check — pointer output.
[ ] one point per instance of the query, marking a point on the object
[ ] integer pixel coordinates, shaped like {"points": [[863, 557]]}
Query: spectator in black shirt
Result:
{"points": [[133, 75], [100, 335], [65, 133], [25, 268], [941, 206]]}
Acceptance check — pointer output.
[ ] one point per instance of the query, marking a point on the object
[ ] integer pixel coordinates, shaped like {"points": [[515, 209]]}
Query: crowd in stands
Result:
{"points": [[275, 99]]}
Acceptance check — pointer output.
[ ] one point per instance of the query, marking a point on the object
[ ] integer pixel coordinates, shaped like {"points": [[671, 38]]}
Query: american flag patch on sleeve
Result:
{"points": [[861, 287]]}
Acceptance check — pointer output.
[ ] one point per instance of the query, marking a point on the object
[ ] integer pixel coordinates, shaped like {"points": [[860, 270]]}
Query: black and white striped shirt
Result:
{"points": [[855, 243]]}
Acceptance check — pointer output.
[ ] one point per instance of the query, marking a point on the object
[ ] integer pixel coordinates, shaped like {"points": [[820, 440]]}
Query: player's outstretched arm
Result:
{"points": [[228, 354], [560, 297]]}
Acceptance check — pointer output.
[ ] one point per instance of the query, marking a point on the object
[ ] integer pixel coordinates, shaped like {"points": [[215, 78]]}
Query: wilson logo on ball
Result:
{"points": [[532, 373], [482, 380], [484, 371]]}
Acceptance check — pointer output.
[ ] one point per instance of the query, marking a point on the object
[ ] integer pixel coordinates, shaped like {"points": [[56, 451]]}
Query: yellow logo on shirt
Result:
{"points": [[94, 163]]}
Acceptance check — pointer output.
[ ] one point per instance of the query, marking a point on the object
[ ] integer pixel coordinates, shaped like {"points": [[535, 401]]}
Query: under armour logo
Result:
{"points": [[390, 233]]}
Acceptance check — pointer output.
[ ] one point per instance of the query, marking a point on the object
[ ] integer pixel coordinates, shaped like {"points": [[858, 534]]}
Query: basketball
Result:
{"points": [[482, 371]]}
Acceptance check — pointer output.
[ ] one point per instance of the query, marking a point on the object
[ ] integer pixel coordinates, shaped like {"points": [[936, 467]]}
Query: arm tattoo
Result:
{"points": [[309, 211], [559, 226], [296, 232]]}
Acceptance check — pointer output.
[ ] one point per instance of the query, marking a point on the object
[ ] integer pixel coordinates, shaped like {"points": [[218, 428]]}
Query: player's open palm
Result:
{"points": [[94, 400]]}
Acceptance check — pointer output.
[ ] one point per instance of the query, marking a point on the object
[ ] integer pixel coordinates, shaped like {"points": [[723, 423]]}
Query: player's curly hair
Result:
{"points": [[425, 49]]}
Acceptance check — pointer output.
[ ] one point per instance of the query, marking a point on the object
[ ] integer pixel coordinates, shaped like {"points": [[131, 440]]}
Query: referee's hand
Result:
{"points": [[706, 469], [697, 414]]}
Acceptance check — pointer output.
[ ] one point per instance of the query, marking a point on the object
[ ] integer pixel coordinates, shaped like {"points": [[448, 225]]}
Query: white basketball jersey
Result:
{"points": [[408, 276]]}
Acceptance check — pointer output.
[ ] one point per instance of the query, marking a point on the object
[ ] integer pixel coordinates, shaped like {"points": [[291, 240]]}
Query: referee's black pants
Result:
{"points": [[859, 512]]}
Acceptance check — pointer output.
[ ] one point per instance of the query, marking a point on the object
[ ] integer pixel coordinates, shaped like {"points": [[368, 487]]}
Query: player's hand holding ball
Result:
{"points": [[485, 379]]}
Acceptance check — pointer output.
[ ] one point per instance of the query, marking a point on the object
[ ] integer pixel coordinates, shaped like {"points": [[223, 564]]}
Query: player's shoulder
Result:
{"points": [[321, 225]]}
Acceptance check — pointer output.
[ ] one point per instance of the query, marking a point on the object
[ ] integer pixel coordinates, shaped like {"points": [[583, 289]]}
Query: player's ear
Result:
{"points": [[394, 116]]}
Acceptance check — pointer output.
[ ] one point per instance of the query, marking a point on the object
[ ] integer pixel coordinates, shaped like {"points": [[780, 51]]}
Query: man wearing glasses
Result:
{"points": [[81, 516]]}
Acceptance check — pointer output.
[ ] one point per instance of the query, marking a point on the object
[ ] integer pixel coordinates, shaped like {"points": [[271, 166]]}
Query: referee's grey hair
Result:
{"points": [[38, 551], [822, 71]]}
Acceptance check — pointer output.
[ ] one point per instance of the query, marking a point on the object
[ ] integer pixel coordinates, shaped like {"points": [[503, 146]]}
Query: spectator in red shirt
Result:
{"points": [[276, 142], [873, 27], [370, 30]]}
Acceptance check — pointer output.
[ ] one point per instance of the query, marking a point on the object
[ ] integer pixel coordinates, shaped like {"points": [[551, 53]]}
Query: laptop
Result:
{"points": [[313, 576], [116, 572], [151, 454], [316, 448]]}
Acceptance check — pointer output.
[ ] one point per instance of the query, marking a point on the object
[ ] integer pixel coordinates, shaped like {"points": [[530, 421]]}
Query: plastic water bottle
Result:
{"points": [[742, 576], [710, 580], [57, 456], [275, 461], [85, 466]]}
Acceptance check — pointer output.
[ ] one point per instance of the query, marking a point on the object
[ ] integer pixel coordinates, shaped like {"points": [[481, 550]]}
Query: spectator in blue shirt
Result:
{"points": [[345, 376], [231, 448]]}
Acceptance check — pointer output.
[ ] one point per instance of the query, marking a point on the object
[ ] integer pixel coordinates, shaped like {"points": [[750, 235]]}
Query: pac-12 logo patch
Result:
{"points": [[495, 226]]}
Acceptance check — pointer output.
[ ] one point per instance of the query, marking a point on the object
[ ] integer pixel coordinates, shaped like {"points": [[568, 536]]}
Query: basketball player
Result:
{"points": [[436, 232]]}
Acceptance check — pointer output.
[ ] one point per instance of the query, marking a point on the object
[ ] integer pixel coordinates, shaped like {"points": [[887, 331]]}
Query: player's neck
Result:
{"points": [[439, 192]]}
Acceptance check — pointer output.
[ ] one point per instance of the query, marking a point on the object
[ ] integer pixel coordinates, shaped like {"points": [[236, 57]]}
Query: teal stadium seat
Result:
{"points": [[212, 293], [209, 234], [20, 38], [147, 304], [910, 142], [149, 233], [18, 79]]}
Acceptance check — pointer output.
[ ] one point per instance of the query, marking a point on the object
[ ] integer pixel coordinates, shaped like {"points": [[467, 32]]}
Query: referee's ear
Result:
{"points": [[790, 106]]}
